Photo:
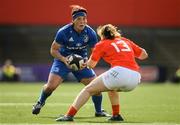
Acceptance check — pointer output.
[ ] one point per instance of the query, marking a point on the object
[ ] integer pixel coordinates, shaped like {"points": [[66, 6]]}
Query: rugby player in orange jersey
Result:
{"points": [[123, 75]]}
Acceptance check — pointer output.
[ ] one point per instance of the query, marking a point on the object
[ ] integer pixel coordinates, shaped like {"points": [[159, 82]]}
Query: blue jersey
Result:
{"points": [[74, 42]]}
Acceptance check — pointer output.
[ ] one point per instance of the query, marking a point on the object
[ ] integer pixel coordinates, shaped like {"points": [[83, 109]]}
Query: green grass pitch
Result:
{"points": [[151, 104]]}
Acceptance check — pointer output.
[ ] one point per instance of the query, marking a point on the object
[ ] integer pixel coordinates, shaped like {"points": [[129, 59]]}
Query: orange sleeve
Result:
{"points": [[97, 52], [137, 50]]}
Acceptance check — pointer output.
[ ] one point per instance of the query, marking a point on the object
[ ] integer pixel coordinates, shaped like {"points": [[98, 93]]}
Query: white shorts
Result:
{"points": [[121, 79]]}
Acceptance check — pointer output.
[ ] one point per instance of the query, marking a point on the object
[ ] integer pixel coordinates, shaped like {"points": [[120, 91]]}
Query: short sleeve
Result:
{"points": [[137, 50], [92, 38], [97, 52], [59, 38]]}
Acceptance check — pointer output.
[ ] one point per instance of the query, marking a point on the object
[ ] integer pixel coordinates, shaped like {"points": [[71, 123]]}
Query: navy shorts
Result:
{"points": [[62, 70]]}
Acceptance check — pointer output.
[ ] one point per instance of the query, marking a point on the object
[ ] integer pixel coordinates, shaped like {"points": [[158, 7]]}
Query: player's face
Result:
{"points": [[79, 23]]}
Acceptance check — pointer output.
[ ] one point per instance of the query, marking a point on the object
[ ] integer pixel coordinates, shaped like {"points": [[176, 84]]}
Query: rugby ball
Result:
{"points": [[75, 61]]}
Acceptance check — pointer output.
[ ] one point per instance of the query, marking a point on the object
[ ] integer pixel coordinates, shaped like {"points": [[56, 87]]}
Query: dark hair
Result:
{"points": [[107, 33]]}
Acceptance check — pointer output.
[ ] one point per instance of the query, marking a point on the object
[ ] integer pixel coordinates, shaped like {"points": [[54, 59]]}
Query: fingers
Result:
{"points": [[66, 61], [83, 65]]}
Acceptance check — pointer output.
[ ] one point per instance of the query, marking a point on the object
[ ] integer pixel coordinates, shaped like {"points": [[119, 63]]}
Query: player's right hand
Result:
{"points": [[65, 61]]}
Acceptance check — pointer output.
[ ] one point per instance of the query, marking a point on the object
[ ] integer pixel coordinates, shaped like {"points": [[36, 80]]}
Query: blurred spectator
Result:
{"points": [[10, 72], [176, 77]]}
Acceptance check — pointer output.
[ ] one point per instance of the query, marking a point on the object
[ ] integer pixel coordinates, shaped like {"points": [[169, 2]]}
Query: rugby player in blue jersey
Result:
{"points": [[73, 38]]}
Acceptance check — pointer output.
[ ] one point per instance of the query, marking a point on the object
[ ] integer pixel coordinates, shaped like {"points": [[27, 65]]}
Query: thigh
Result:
{"points": [[60, 69], [85, 75], [96, 86]]}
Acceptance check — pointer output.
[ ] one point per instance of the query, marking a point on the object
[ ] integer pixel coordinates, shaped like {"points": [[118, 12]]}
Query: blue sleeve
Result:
{"points": [[59, 38], [92, 39]]}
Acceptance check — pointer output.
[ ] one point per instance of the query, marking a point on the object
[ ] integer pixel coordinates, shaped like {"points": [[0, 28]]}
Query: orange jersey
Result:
{"points": [[117, 52]]}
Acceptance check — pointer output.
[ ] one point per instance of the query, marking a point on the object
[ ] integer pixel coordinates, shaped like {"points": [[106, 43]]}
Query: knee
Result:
{"points": [[49, 87], [113, 94], [87, 90], [110, 93]]}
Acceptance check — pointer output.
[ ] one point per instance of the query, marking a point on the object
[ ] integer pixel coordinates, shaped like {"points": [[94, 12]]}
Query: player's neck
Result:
{"points": [[77, 30]]}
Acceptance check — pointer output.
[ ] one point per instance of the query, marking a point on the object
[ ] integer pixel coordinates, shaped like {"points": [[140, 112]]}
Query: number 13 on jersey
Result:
{"points": [[121, 46]]}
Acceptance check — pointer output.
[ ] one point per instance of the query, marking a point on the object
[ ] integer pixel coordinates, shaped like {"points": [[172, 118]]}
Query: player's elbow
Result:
{"points": [[144, 55], [53, 52]]}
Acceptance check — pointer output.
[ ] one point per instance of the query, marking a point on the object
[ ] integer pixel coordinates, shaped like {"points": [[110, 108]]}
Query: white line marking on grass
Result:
{"points": [[24, 94], [30, 104], [67, 123]]}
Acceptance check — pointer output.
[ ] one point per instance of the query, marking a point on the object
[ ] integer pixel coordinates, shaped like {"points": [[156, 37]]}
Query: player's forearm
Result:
{"points": [[57, 55], [91, 63]]}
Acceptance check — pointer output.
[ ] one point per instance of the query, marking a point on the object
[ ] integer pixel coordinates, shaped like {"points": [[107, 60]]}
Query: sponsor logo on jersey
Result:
{"points": [[86, 38], [76, 48]]}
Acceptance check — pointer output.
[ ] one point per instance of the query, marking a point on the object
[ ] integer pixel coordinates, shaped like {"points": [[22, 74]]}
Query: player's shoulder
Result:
{"points": [[89, 29], [102, 43], [126, 39], [65, 28]]}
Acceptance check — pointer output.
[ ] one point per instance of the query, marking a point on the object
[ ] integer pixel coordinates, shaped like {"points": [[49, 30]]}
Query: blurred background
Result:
{"points": [[28, 27]]}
